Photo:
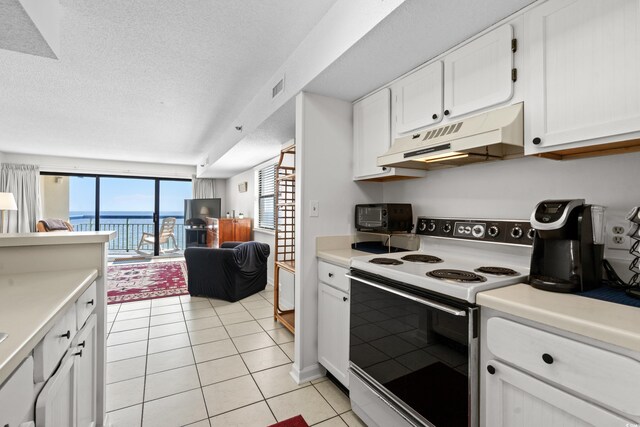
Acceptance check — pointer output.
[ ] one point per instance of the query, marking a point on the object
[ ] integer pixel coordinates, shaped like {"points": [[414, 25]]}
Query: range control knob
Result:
{"points": [[516, 232], [446, 228], [477, 231], [431, 227], [422, 226], [531, 233], [493, 231]]}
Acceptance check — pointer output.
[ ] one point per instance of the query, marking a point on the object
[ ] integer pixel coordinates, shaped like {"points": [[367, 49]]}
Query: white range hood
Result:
{"points": [[494, 135]]}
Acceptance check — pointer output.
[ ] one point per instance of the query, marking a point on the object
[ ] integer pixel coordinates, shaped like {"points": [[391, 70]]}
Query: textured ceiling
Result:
{"points": [[154, 80], [146, 80]]}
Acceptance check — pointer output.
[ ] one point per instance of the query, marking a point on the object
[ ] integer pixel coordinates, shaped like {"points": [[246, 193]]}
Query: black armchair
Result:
{"points": [[232, 272]]}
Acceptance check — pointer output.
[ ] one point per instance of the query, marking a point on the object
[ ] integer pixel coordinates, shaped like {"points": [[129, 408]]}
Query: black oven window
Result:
{"points": [[418, 353]]}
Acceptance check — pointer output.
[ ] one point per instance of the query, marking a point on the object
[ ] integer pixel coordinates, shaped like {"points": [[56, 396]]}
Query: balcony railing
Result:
{"points": [[129, 230]]}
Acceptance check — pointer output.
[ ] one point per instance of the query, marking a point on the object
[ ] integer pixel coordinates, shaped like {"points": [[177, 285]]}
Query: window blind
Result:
{"points": [[266, 197]]}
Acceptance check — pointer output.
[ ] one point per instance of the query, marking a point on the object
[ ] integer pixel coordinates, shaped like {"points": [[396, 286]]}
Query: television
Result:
{"points": [[196, 211]]}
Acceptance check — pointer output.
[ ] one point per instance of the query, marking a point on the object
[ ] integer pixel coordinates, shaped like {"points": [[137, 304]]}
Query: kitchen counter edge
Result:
{"points": [[603, 321], [341, 257], [19, 344], [56, 238]]}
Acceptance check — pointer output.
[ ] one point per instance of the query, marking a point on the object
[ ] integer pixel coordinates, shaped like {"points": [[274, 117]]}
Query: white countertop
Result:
{"points": [[604, 321], [56, 238], [341, 257], [30, 304]]}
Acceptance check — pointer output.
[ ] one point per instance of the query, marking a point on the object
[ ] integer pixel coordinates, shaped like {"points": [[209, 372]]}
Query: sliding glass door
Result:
{"points": [[82, 202], [139, 209], [127, 206]]}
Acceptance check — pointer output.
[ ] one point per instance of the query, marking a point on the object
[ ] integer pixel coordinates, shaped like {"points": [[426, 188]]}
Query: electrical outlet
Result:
{"points": [[616, 232]]}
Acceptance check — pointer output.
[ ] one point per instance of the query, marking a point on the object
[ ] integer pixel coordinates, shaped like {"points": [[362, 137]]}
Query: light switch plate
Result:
{"points": [[314, 208]]}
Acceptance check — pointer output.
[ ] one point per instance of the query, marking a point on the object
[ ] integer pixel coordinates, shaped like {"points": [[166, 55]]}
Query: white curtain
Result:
{"points": [[204, 188], [24, 182]]}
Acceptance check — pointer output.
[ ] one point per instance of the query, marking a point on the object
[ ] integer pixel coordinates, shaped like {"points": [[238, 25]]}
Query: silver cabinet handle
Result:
{"points": [[421, 300]]}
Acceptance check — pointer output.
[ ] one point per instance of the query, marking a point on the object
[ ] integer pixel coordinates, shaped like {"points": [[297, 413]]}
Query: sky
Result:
{"points": [[126, 194]]}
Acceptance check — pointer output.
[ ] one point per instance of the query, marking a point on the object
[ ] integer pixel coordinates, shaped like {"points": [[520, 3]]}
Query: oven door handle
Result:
{"points": [[437, 305], [383, 398]]}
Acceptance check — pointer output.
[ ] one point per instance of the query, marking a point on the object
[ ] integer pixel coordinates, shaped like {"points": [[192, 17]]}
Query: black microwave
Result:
{"points": [[384, 217]]}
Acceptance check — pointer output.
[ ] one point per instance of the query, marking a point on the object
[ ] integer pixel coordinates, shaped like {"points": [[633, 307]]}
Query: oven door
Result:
{"points": [[417, 354]]}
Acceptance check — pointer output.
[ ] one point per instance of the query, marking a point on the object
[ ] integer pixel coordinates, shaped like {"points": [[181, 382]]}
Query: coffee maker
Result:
{"points": [[567, 253]]}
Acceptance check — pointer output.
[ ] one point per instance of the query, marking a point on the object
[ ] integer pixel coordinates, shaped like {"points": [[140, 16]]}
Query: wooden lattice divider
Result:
{"points": [[285, 212]]}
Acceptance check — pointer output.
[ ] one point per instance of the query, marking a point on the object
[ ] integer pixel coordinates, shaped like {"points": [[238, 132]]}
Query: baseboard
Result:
{"points": [[309, 373]]}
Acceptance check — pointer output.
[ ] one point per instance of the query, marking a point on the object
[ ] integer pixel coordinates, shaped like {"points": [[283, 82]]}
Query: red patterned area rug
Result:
{"points": [[296, 421], [137, 282]]}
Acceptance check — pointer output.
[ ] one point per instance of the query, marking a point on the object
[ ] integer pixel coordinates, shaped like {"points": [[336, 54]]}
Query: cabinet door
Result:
{"points": [[242, 232], [371, 133], [583, 64], [516, 399], [478, 75], [85, 367], [225, 230], [418, 99], [333, 331], [55, 406]]}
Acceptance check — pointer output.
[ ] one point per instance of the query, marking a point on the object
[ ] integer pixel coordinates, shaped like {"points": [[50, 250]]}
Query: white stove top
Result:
{"points": [[457, 255]]}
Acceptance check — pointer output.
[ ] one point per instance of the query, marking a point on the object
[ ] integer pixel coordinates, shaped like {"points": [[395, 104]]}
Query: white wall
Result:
{"points": [[512, 188], [106, 167], [323, 172], [54, 196], [240, 202]]}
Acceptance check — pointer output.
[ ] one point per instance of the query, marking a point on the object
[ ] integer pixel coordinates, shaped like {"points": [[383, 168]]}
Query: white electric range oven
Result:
{"points": [[413, 352]]}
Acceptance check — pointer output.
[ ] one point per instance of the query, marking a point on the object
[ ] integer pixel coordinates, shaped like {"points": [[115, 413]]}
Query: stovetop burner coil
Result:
{"points": [[498, 271], [457, 276], [386, 261], [422, 258]]}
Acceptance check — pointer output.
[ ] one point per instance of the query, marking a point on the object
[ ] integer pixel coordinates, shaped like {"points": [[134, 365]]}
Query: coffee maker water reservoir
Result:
{"points": [[568, 246]]}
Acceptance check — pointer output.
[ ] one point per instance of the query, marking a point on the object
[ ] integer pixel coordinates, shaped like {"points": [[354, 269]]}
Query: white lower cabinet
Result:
{"points": [[16, 396], [533, 377], [68, 398], [517, 399], [55, 406], [85, 367], [333, 330]]}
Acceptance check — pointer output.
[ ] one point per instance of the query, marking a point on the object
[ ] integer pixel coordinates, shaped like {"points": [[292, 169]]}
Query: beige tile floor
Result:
{"points": [[204, 362]]}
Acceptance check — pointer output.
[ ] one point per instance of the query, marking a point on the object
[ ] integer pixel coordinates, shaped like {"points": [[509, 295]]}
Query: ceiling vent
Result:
{"points": [[278, 88]]}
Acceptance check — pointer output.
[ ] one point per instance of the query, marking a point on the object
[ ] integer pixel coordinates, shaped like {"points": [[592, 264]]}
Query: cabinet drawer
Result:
{"points": [[85, 305], [49, 351], [606, 377], [333, 275], [16, 395]]}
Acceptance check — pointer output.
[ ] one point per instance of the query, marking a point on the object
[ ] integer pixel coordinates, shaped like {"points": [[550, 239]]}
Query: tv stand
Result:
{"points": [[195, 237]]}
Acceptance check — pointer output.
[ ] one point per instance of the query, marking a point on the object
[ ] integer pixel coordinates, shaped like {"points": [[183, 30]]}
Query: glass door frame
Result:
{"points": [[156, 197]]}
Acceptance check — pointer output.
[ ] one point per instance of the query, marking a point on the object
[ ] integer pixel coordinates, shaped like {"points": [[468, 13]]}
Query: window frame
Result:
{"points": [[271, 168]]}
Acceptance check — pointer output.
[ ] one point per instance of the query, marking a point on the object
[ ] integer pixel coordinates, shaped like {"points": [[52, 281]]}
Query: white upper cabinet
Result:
{"points": [[474, 77], [479, 74], [371, 133], [418, 99], [372, 138], [584, 73]]}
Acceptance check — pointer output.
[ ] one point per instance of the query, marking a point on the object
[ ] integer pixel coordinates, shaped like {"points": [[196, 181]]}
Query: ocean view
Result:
{"points": [[130, 225]]}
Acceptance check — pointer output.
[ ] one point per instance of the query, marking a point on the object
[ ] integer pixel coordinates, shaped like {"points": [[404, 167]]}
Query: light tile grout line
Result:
{"points": [[256, 319]]}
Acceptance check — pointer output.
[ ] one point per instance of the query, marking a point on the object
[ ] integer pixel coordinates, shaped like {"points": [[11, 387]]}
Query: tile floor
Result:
{"points": [[206, 363]]}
